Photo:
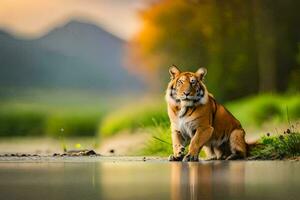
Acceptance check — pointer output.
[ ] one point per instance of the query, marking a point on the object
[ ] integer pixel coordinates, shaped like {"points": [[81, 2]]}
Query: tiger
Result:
{"points": [[199, 121]]}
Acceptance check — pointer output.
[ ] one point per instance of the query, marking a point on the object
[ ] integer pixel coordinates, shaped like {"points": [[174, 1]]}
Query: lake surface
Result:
{"points": [[150, 180]]}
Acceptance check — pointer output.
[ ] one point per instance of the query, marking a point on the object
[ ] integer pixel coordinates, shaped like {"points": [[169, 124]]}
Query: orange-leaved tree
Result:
{"points": [[224, 36]]}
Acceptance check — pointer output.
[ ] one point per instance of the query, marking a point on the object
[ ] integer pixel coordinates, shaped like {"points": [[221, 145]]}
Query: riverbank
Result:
{"points": [[25, 158]]}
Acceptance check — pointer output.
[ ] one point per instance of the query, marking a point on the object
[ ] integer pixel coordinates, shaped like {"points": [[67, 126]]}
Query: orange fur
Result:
{"points": [[197, 119]]}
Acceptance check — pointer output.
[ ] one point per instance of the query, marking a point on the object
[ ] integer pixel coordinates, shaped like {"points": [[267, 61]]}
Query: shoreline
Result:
{"points": [[117, 159]]}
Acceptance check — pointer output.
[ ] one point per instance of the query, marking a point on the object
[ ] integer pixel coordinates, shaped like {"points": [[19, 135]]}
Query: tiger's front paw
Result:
{"points": [[190, 158], [175, 158]]}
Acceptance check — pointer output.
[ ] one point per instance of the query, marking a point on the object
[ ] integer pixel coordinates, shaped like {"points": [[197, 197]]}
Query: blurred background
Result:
{"points": [[92, 73]]}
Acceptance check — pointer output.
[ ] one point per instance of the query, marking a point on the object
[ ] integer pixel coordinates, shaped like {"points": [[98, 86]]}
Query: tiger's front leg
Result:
{"points": [[178, 146], [202, 135]]}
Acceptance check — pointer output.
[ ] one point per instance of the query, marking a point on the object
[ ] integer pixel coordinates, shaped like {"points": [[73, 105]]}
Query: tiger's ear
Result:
{"points": [[174, 71], [201, 72]]}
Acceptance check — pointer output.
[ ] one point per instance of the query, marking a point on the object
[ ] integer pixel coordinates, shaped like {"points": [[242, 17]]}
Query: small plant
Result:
{"points": [[281, 146], [62, 140], [160, 144]]}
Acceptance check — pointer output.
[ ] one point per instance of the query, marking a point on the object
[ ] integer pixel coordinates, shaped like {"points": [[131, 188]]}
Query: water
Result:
{"points": [[150, 180]]}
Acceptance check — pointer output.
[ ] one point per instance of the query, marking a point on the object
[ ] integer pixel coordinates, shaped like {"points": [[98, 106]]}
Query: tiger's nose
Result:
{"points": [[186, 93]]}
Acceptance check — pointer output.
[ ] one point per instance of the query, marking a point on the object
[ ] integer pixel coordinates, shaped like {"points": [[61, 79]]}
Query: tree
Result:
{"points": [[236, 40]]}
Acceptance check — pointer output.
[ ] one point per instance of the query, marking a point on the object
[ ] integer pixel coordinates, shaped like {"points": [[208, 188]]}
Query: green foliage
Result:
{"points": [[33, 118], [24, 123], [256, 110], [132, 118], [265, 111], [294, 107], [277, 147], [72, 125], [160, 143]]}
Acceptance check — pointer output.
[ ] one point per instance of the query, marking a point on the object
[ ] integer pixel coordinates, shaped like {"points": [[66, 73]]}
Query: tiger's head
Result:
{"points": [[186, 89]]}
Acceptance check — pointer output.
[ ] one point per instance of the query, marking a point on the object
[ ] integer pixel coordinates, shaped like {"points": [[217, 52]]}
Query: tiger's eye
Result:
{"points": [[193, 81]]}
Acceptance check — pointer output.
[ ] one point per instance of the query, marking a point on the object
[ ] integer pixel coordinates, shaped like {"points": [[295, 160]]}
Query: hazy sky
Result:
{"points": [[34, 18]]}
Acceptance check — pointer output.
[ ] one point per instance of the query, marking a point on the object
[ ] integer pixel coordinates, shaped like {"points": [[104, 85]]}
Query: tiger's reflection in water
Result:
{"points": [[212, 180]]}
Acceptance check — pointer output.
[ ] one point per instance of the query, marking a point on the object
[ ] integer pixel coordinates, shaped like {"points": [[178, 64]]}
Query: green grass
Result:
{"points": [[69, 124], [34, 121], [257, 110], [23, 123], [286, 145], [43, 114], [160, 143], [133, 117]]}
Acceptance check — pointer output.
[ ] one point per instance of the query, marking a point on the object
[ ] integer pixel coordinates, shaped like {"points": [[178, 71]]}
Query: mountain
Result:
{"points": [[77, 55]]}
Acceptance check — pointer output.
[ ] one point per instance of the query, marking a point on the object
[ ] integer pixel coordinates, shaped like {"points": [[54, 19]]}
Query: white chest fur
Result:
{"points": [[186, 127]]}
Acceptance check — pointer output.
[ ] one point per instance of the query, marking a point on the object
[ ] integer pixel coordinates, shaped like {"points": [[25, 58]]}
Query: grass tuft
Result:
{"points": [[286, 145], [160, 144]]}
